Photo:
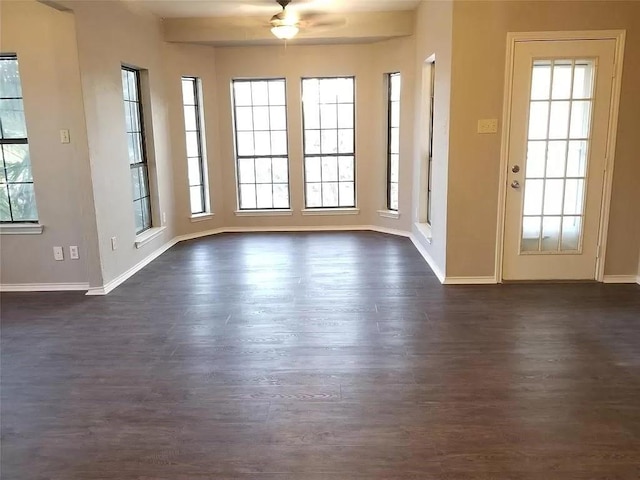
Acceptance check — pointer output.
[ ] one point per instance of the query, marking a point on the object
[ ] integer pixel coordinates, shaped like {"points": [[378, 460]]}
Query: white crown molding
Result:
{"points": [[43, 287]]}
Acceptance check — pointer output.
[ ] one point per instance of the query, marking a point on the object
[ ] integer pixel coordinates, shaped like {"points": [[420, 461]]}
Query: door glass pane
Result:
{"points": [[580, 119], [530, 234], [583, 79], [557, 149], [556, 159], [577, 159], [559, 120], [562, 71], [541, 80], [553, 190], [533, 197], [571, 229], [550, 233], [538, 118], [573, 197], [536, 159]]}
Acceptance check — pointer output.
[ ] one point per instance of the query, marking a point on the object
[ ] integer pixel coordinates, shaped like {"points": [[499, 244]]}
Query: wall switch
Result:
{"points": [[73, 252], [489, 125], [64, 136], [114, 243], [58, 253], [164, 218]]}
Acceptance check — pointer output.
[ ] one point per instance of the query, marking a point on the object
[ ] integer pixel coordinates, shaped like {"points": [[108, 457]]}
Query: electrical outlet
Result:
{"points": [[489, 125], [58, 254], [114, 243], [64, 136], [73, 252]]}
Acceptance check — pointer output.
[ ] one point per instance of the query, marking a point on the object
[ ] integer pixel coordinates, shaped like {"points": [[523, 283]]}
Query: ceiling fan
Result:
{"points": [[286, 24]]}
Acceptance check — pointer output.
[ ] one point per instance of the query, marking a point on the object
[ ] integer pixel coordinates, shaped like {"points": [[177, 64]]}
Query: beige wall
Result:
{"points": [[110, 35], [196, 61], [433, 36], [479, 44], [45, 42], [394, 56], [70, 65], [368, 64]]}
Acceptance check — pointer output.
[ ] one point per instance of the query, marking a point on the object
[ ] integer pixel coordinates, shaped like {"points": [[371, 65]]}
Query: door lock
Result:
{"points": [[515, 168], [515, 184]]}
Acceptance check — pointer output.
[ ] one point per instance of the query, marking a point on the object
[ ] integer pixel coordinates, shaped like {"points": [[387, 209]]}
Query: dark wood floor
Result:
{"points": [[331, 356]]}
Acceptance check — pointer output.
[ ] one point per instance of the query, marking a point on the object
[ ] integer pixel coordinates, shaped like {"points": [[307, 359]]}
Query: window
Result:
{"points": [[432, 89], [329, 142], [393, 140], [17, 197], [195, 152], [260, 108], [137, 149]]}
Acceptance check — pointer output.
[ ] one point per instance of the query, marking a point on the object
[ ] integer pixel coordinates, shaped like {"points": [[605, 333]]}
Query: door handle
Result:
{"points": [[515, 184]]}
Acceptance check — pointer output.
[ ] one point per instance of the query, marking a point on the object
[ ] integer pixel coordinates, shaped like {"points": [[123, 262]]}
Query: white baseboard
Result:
{"points": [[390, 231], [427, 257], [43, 287], [470, 281], [108, 287], [620, 279], [313, 228], [120, 279]]}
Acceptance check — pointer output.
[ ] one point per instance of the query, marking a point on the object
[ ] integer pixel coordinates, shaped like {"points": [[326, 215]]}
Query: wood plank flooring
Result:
{"points": [[320, 356]]}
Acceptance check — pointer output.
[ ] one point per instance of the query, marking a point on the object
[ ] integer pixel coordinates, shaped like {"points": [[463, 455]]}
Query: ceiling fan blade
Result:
{"points": [[322, 20]]}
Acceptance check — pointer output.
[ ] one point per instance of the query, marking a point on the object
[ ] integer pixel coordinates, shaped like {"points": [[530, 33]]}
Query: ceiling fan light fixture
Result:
{"points": [[285, 32]]}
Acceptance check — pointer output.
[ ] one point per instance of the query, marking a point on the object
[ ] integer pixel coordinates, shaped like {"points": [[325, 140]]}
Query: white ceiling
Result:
{"points": [[226, 8]]}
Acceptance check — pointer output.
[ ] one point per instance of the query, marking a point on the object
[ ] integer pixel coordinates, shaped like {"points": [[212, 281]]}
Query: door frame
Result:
{"points": [[514, 38]]}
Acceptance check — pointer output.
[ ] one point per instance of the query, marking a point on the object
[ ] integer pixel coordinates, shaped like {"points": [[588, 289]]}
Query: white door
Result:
{"points": [[557, 147]]}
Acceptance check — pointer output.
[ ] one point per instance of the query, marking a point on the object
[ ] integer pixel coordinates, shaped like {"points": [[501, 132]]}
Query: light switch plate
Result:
{"points": [[488, 125], [58, 253], [73, 252], [64, 136]]}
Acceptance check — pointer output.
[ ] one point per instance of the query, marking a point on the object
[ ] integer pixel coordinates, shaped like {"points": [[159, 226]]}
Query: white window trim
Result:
{"points": [[201, 217], [21, 229], [425, 230], [389, 214], [148, 235], [331, 211], [264, 213]]}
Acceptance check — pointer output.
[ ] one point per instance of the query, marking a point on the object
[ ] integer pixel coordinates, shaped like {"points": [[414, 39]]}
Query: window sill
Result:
{"points": [[146, 237], [389, 214], [425, 230], [331, 211], [21, 229], [264, 213], [201, 217]]}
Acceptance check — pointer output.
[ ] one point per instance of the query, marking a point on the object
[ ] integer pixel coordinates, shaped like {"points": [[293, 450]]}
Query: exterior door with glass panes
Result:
{"points": [[560, 109]]}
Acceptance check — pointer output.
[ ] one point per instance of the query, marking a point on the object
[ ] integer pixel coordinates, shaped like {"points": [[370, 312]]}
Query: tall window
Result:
{"points": [[432, 89], [329, 142], [195, 153], [260, 108], [393, 140], [17, 198], [137, 148]]}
